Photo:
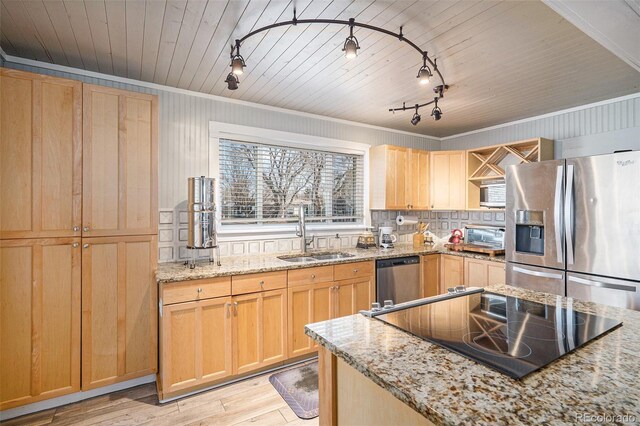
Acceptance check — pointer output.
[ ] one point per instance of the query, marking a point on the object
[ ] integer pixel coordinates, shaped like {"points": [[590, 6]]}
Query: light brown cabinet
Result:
{"points": [[431, 275], [451, 271], [307, 304], [352, 296], [119, 309], [399, 178], [448, 180], [39, 319], [481, 273], [120, 162], [196, 343], [259, 330], [40, 155]]}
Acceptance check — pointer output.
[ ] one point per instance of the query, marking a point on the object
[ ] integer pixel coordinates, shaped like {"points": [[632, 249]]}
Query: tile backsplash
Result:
{"points": [[441, 222], [172, 233]]}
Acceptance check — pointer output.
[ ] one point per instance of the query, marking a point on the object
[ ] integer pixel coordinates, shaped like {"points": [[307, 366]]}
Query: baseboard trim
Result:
{"points": [[239, 379], [74, 397]]}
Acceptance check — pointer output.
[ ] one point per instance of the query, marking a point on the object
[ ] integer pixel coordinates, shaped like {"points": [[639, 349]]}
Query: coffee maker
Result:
{"points": [[385, 237]]}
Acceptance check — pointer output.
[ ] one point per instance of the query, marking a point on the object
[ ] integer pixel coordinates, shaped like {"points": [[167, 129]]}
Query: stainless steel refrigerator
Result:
{"points": [[573, 228]]}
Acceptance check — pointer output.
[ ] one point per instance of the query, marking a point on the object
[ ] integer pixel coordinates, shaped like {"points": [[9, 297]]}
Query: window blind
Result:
{"points": [[262, 184]]}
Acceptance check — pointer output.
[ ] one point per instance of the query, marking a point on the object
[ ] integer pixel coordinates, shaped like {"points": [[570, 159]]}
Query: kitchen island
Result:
{"points": [[373, 372]]}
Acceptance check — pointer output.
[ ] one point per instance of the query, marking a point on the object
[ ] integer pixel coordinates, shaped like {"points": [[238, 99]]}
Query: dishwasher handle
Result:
{"points": [[398, 261]]}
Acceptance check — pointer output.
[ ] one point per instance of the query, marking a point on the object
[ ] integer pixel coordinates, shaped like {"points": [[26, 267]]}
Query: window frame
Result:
{"points": [[218, 130]]}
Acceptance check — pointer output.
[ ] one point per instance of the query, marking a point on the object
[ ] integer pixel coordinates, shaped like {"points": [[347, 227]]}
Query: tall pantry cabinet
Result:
{"points": [[77, 236]]}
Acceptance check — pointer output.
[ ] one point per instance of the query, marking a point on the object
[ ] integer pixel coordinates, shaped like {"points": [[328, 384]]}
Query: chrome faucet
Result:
{"points": [[301, 230]]}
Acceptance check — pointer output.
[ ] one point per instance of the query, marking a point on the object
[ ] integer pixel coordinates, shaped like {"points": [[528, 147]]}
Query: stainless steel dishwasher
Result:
{"points": [[398, 279]]}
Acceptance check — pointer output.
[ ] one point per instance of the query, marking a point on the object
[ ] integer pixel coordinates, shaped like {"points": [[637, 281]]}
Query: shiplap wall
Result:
{"points": [[184, 138], [597, 130]]}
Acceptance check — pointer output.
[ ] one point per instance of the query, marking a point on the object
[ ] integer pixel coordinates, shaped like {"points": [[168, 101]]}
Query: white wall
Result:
{"points": [[598, 129]]}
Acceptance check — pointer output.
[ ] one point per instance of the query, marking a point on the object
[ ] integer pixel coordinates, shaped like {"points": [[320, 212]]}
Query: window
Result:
{"points": [[263, 184]]}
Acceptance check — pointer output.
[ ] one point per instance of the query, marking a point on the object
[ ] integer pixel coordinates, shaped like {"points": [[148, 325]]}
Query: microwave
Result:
{"points": [[493, 195]]}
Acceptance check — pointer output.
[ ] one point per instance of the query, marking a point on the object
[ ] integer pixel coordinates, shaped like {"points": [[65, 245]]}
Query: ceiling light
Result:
{"points": [[351, 44], [416, 117], [436, 112], [232, 81], [424, 73]]}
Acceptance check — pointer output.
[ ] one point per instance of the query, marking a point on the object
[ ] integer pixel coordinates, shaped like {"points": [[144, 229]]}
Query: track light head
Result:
{"points": [[237, 61], [436, 112], [424, 73], [351, 44], [237, 65], [232, 81], [416, 117]]}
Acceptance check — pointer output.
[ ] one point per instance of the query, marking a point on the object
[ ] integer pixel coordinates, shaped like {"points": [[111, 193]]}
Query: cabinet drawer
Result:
{"points": [[304, 276], [252, 283], [353, 270], [187, 291]]}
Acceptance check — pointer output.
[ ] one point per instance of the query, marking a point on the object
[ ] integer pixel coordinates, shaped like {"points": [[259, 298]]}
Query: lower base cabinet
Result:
{"points": [[39, 319], [119, 309], [259, 324], [196, 343], [481, 273], [451, 271]]}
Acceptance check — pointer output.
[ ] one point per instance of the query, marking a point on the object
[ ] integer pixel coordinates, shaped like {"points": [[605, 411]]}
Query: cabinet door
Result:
{"points": [[259, 330], [496, 273], [352, 296], [40, 155], [396, 177], [448, 180], [119, 162], [431, 275], [419, 180], [39, 319], [451, 272], [307, 304], [119, 309], [196, 343], [475, 273]]}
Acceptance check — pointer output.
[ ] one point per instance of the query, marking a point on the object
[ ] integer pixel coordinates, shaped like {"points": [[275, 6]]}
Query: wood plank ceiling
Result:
{"points": [[504, 60]]}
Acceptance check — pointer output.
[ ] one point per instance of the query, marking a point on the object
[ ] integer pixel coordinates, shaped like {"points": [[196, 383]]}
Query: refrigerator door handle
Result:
{"points": [[537, 273], [568, 214], [602, 285], [557, 214]]}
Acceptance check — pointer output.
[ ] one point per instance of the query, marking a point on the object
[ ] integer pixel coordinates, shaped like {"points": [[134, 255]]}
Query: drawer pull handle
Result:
{"points": [[355, 271], [227, 305], [85, 229], [235, 307], [261, 283], [76, 228], [85, 246], [74, 245], [313, 276], [199, 290]]}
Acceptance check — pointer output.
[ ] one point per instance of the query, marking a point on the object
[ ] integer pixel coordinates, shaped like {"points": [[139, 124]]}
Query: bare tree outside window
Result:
{"points": [[262, 183]]}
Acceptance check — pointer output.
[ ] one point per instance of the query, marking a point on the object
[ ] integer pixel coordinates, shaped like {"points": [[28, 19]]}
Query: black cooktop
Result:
{"points": [[508, 334]]}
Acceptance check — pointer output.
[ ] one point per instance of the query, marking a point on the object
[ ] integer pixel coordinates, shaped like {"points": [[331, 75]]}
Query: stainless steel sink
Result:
{"points": [[332, 256], [297, 259], [315, 257]]}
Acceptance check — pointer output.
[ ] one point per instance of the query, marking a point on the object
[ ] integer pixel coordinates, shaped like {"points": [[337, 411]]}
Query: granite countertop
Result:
{"points": [[237, 265], [600, 378]]}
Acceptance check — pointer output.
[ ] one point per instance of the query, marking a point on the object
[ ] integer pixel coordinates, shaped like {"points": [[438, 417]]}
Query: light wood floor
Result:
{"points": [[253, 401]]}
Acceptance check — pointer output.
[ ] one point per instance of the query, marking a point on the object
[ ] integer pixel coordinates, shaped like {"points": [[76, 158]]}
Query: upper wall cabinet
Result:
{"points": [[119, 162], [399, 178], [447, 180], [489, 163], [40, 155]]}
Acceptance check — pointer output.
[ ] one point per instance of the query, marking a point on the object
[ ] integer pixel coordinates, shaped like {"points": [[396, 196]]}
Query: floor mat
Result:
{"points": [[299, 388]]}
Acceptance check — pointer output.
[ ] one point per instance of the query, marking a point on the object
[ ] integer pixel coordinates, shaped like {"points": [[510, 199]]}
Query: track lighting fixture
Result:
{"points": [[351, 44], [416, 117], [350, 48], [436, 112], [424, 73], [237, 61], [232, 81]]}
